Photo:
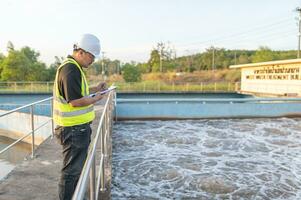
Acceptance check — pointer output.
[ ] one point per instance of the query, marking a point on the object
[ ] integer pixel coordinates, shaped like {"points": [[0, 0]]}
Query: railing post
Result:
{"points": [[115, 105], [236, 86], [202, 86], [159, 87], [47, 86], [215, 87], [173, 86], [52, 122], [102, 170], [15, 87], [92, 181], [32, 129]]}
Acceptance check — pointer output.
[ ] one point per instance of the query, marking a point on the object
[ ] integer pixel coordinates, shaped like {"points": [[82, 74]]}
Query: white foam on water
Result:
{"points": [[207, 159]]}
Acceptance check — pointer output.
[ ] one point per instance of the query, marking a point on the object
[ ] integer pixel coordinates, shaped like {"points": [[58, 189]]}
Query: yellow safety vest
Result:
{"points": [[63, 113]]}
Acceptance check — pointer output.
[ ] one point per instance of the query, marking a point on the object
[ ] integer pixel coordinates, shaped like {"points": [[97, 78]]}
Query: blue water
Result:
{"points": [[12, 101]]}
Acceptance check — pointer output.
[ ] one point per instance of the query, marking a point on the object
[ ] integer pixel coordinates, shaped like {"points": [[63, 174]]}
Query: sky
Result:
{"points": [[130, 29]]}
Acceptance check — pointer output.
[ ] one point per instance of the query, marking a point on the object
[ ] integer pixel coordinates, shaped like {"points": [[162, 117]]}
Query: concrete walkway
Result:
{"points": [[37, 179]]}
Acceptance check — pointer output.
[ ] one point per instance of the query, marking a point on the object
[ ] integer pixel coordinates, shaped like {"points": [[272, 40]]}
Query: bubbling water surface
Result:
{"points": [[207, 159]]}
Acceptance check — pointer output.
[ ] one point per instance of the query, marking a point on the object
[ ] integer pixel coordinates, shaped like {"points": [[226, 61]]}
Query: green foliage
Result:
{"points": [[15, 67], [154, 61], [104, 66], [263, 54], [161, 59], [223, 58], [23, 65], [10, 46], [143, 67], [131, 73], [50, 73], [1, 66]]}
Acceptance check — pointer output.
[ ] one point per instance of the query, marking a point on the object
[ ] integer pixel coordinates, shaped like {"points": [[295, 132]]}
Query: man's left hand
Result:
{"points": [[101, 86]]}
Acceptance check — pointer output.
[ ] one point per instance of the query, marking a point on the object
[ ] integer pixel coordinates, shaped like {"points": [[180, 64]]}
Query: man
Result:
{"points": [[73, 111]]}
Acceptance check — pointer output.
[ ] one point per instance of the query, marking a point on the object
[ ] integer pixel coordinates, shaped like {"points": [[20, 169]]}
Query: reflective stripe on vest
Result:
{"points": [[63, 113], [73, 113]]}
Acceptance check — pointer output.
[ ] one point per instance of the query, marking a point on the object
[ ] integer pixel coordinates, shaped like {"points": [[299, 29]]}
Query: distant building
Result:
{"points": [[275, 78]]}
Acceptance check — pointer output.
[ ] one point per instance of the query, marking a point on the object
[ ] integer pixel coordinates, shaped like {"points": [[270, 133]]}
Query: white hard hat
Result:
{"points": [[89, 43]]}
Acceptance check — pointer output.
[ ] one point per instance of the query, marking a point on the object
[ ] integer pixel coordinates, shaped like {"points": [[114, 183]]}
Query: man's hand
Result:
{"points": [[101, 86], [86, 100]]}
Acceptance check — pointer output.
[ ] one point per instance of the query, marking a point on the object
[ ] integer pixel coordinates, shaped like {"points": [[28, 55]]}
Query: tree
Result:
{"points": [[243, 59], [51, 70], [154, 61], [15, 67], [23, 65], [160, 58], [10, 46], [30, 54], [131, 73], [143, 67], [2, 57], [263, 54]]}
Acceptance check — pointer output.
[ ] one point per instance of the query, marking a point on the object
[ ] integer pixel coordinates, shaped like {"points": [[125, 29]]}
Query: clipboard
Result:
{"points": [[108, 90], [104, 92]]}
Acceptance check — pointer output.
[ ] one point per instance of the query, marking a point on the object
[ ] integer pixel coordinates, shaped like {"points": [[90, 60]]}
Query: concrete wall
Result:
{"points": [[282, 78], [16, 125], [201, 109]]}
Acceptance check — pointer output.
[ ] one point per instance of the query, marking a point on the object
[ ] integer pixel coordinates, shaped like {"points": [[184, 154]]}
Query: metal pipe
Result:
{"points": [[8, 147], [92, 181], [115, 104], [32, 130], [100, 178], [52, 122], [11, 145], [102, 187]]}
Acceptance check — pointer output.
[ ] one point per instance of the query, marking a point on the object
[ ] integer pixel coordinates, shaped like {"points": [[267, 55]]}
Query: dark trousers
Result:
{"points": [[75, 141]]}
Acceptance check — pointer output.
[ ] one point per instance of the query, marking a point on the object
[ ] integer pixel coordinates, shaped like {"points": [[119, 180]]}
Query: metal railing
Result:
{"points": [[178, 86], [33, 128], [26, 87], [144, 86], [103, 135]]}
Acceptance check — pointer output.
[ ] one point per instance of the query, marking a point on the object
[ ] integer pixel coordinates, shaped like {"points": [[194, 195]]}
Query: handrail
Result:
{"points": [[20, 139], [42, 86], [25, 106], [102, 134], [33, 129]]}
